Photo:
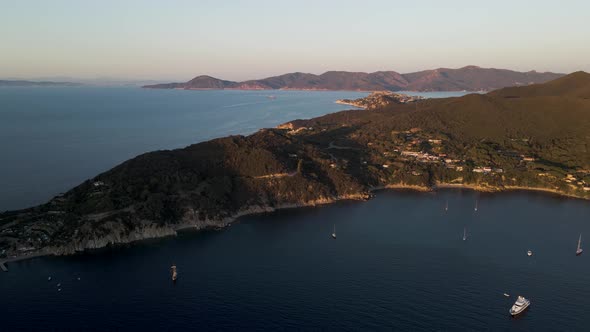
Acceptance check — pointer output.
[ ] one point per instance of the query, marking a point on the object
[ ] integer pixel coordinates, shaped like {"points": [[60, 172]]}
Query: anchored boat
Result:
{"points": [[173, 271], [519, 306]]}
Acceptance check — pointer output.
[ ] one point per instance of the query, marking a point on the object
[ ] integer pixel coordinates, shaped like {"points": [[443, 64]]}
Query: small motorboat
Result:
{"points": [[529, 253], [519, 306], [59, 285], [48, 278], [174, 273], [507, 295]]}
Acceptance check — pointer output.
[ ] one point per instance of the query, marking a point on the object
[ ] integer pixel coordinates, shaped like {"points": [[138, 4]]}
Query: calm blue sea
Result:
{"points": [[398, 263]]}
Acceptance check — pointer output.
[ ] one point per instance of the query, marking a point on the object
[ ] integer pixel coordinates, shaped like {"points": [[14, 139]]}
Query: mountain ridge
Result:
{"points": [[470, 78]]}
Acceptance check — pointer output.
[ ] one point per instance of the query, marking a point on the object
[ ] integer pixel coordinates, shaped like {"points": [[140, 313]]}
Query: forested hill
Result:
{"points": [[531, 137]]}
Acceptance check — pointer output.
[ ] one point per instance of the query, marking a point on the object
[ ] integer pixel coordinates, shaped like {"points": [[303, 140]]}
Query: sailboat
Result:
{"points": [[447, 205], [464, 233], [475, 209], [334, 233], [579, 250]]}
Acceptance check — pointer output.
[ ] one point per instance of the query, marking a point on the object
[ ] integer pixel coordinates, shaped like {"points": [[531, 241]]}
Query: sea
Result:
{"points": [[399, 261]]}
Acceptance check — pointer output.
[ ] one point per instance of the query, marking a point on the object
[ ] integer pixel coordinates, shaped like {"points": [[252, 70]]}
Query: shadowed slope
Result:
{"points": [[573, 85]]}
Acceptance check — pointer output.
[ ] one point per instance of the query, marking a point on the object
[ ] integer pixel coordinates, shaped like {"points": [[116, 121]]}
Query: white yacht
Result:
{"points": [[519, 306], [529, 253], [579, 251]]}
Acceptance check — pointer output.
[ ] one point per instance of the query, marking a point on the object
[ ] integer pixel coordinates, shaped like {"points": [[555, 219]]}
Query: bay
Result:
{"points": [[399, 262]]}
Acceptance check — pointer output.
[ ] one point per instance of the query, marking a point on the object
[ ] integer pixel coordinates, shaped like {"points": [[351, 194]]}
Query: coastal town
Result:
{"points": [[379, 99]]}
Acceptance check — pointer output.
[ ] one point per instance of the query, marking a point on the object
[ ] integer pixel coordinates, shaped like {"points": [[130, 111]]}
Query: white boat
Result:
{"points": [[579, 251], [519, 306], [529, 253], [447, 205], [334, 233], [48, 278], [475, 208], [506, 294], [464, 233]]}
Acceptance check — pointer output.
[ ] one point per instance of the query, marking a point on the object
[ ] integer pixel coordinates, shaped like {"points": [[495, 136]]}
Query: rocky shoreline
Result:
{"points": [[199, 225]]}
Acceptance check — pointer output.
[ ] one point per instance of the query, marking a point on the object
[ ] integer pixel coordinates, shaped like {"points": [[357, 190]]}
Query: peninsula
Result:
{"points": [[533, 137], [379, 99], [470, 78]]}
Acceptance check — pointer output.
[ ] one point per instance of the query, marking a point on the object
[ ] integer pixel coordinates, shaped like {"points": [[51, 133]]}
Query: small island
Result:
{"points": [[532, 137]]}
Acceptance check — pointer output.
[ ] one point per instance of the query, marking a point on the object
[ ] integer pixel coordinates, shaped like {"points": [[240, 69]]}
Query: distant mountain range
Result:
{"points": [[470, 78], [35, 83]]}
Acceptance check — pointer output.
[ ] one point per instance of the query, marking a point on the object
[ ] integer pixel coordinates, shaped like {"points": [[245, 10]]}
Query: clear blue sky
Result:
{"points": [[176, 40]]}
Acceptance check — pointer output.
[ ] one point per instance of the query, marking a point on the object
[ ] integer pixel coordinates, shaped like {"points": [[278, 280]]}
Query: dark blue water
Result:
{"points": [[398, 263], [52, 139]]}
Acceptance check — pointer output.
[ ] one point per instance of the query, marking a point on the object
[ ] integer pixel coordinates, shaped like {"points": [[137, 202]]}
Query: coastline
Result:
{"points": [[264, 89], [340, 102], [195, 224], [489, 189], [198, 225]]}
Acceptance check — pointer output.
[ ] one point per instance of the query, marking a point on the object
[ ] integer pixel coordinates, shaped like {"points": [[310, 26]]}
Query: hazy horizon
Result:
{"points": [[239, 40], [147, 79]]}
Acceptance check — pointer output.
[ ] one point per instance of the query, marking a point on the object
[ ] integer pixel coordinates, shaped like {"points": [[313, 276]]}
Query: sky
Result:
{"points": [[175, 40]]}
